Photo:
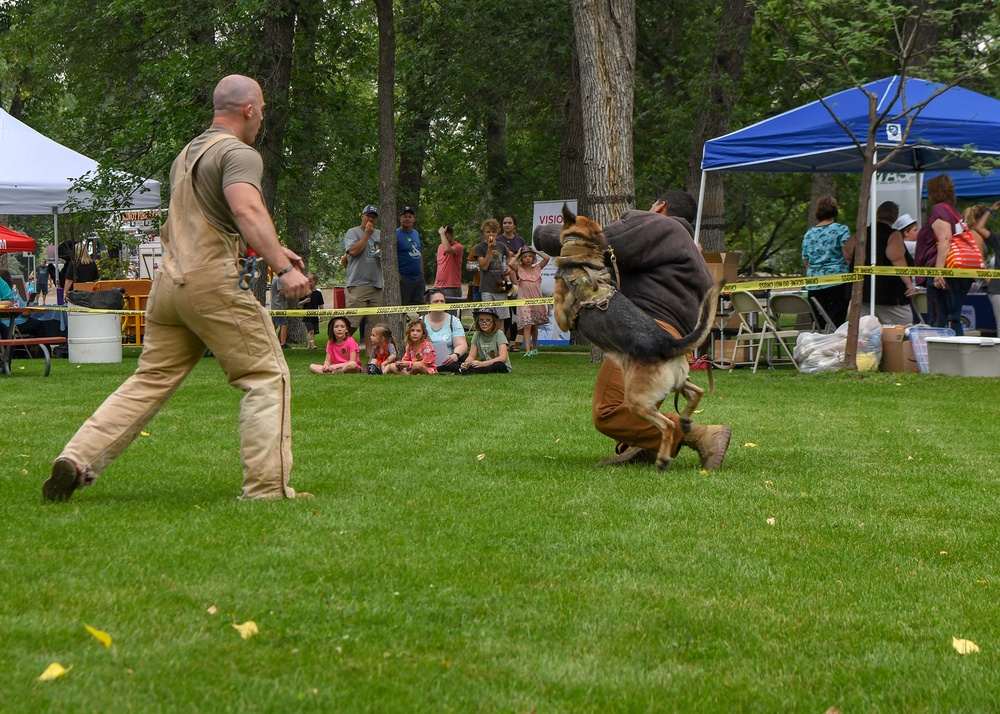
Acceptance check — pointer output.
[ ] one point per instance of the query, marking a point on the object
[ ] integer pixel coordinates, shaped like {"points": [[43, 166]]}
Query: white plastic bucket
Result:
{"points": [[94, 338]]}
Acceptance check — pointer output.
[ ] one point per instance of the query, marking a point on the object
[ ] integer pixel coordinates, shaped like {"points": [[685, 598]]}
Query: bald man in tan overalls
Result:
{"points": [[216, 209]]}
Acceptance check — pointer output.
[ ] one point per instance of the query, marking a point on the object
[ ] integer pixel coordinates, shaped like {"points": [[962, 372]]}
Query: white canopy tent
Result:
{"points": [[37, 175]]}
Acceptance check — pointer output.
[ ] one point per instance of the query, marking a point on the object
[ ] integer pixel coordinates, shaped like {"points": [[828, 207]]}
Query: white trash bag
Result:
{"points": [[816, 352]]}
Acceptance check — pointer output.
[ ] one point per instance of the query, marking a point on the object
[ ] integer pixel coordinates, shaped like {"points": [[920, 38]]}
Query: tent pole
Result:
{"points": [[55, 244], [701, 203], [871, 236]]}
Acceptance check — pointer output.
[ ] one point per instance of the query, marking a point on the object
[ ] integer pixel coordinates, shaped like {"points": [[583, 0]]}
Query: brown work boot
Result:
{"points": [[710, 442], [66, 477], [631, 455]]}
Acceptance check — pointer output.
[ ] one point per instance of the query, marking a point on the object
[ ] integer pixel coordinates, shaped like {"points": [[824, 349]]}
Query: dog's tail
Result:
{"points": [[706, 319]]}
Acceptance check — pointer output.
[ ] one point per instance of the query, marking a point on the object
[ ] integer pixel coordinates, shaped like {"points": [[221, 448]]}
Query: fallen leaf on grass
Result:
{"points": [[247, 630], [704, 472], [480, 457], [212, 610], [771, 521], [100, 635], [750, 445], [24, 472], [964, 647], [144, 433], [53, 671]]}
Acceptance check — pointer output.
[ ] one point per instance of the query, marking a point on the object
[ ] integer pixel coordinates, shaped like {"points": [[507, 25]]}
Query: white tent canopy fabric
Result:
{"points": [[37, 174]]}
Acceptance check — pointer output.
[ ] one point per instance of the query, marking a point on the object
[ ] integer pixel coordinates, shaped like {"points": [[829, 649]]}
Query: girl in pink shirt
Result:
{"points": [[342, 352], [419, 356]]}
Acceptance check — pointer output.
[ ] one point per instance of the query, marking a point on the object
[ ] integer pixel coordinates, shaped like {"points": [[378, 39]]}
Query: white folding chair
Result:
{"points": [[757, 328]]}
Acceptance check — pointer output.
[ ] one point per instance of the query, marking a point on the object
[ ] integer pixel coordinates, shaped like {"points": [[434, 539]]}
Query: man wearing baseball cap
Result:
{"points": [[364, 268], [410, 257]]}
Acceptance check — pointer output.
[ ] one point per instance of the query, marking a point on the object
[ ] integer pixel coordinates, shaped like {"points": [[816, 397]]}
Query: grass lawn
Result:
{"points": [[463, 553]]}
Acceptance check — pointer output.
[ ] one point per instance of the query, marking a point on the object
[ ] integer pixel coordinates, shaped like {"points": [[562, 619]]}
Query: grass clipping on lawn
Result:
{"points": [[464, 554]]}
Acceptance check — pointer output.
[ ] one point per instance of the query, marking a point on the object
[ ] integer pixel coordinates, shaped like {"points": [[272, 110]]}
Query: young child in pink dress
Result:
{"points": [[342, 352], [419, 356], [529, 285]]}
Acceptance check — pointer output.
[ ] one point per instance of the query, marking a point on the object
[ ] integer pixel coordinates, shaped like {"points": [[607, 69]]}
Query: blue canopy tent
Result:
{"points": [[972, 185], [808, 139]]}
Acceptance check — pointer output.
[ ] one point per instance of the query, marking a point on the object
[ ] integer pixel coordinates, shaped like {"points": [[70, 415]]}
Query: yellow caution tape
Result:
{"points": [[777, 283], [931, 272], [402, 309], [337, 312], [766, 284]]}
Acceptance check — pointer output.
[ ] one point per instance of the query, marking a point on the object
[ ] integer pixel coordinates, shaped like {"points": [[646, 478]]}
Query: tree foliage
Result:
{"points": [[484, 98]]}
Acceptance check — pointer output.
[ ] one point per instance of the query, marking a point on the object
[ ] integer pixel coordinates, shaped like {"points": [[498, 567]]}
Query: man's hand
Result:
{"points": [[295, 284]]}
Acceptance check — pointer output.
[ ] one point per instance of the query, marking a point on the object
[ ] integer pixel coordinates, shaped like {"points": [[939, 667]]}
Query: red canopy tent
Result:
{"points": [[14, 242]]}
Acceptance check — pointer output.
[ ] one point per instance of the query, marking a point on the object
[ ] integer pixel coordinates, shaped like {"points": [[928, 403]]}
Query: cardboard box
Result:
{"points": [[964, 356], [723, 349], [723, 265], [897, 351]]}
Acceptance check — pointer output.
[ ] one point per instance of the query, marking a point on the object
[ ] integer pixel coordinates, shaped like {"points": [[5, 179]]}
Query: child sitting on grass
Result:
{"points": [[342, 352], [488, 348], [383, 350], [419, 356]]}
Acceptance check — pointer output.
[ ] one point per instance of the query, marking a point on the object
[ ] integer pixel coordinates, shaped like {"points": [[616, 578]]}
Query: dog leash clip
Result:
{"points": [[250, 273], [614, 264]]}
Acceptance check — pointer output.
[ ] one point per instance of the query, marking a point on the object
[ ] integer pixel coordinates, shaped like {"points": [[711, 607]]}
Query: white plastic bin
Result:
{"points": [[964, 356], [94, 338]]}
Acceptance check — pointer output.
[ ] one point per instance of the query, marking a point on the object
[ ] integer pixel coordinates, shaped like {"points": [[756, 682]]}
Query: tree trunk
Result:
{"points": [[571, 184], [861, 244], [605, 44], [497, 170], [275, 75], [713, 119], [387, 159], [413, 151]]}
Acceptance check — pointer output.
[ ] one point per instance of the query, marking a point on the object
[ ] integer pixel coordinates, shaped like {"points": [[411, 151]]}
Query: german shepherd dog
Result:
{"points": [[653, 361]]}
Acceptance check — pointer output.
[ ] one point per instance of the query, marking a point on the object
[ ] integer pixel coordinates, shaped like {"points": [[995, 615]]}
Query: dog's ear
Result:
{"points": [[568, 217]]}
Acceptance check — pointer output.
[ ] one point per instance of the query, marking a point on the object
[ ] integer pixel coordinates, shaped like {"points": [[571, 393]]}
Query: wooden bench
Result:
{"points": [[7, 349]]}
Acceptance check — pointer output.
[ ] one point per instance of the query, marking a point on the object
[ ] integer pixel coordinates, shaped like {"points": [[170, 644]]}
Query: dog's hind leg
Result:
{"points": [[644, 390], [692, 394]]}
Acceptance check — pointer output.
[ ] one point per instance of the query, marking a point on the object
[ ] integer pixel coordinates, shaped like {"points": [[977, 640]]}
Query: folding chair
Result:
{"points": [[829, 326], [919, 302], [796, 307], [756, 326]]}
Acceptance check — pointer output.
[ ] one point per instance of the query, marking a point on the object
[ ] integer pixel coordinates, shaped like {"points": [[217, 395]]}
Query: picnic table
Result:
{"points": [[10, 343]]}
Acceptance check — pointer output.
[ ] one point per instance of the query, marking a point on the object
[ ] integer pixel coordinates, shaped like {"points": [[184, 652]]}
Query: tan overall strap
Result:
{"points": [[192, 241]]}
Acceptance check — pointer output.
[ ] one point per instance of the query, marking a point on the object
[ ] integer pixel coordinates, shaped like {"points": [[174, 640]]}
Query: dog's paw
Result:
{"points": [[662, 464]]}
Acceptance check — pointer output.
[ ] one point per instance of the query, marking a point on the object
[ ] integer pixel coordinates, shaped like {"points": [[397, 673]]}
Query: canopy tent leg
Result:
{"points": [[701, 203]]}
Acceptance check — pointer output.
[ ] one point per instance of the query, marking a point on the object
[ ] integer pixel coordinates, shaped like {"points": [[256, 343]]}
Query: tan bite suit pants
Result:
{"points": [[207, 309], [196, 302]]}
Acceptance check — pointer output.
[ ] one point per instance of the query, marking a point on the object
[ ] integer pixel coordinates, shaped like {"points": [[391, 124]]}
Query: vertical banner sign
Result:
{"points": [[548, 213]]}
